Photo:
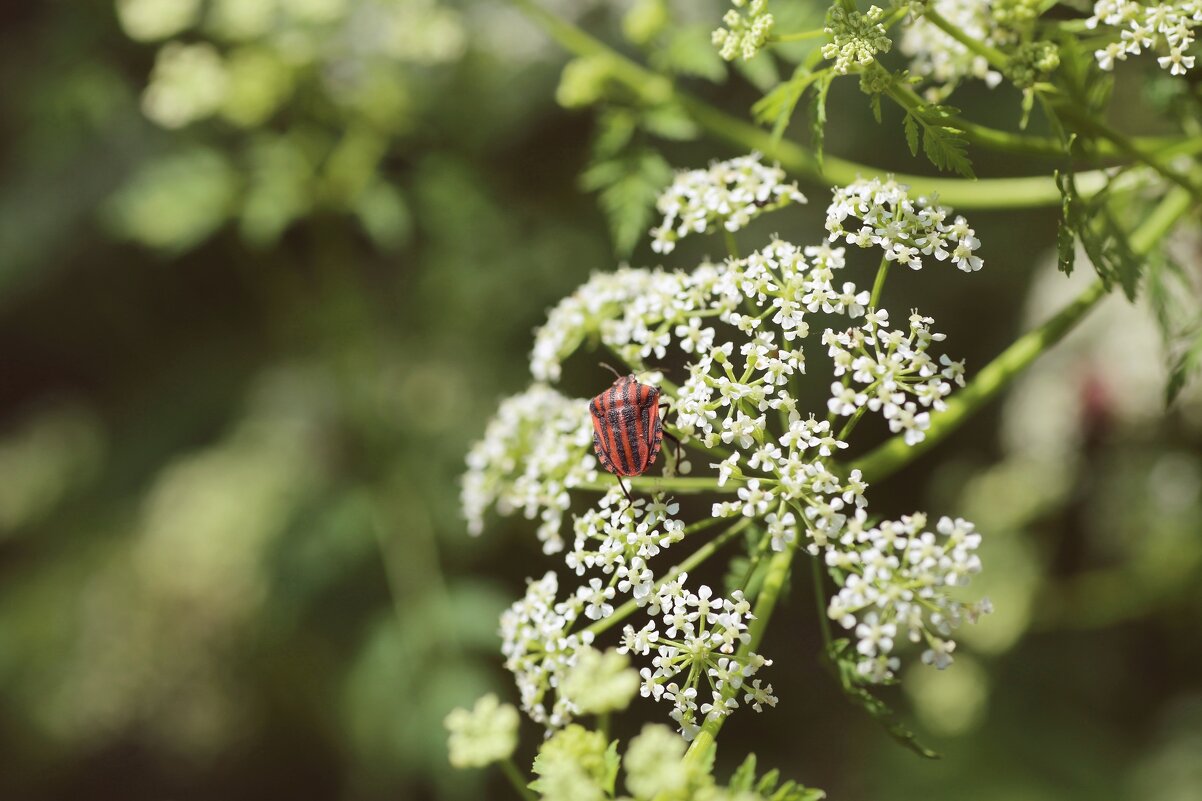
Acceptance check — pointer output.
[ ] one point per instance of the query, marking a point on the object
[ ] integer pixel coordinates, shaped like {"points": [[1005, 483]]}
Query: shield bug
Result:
{"points": [[627, 430]]}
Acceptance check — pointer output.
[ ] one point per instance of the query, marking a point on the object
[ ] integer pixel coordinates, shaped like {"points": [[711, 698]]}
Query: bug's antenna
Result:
{"points": [[611, 369]]}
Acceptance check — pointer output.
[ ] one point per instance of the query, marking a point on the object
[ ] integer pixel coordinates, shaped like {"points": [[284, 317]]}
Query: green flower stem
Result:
{"points": [[1049, 146], [774, 582], [1125, 144], [996, 58], [824, 623], [878, 285], [686, 485], [984, 193], [700, 555], [800, 36], [895, 453], [732, 244], [514, 774]]}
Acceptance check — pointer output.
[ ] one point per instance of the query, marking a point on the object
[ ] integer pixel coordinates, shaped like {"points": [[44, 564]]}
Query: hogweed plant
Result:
{"points": [[777, 355]]}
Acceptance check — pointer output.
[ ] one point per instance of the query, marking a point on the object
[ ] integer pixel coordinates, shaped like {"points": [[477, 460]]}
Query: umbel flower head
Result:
{"points": [[746, 33], [727, 196], [1165, 28], [755, 335]]}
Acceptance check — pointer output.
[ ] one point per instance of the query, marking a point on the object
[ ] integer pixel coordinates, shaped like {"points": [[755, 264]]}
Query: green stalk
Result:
{"points": [[687, 485], [895, 453], [996, 58], [511, 771], [774, 582], [700, 555], [983, 193]]}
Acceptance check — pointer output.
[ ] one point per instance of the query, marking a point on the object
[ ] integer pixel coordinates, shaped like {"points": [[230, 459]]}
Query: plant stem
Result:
{"points": [[895, 453], [996, 58], [700, 555], [514, 774], [688, 485], [988, 193], [800, 36], [820, 601], [732, 245], [774, 582], [878, 285]]}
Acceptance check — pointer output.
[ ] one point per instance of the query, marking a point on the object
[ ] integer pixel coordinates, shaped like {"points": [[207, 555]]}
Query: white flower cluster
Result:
{"points": [[744, 36], [730, 194], [696, 639], [905, 228], [891, 366], [939, 57], [855, 38], [535, 449], [740, 327], [895, 579], [1165, 27]]}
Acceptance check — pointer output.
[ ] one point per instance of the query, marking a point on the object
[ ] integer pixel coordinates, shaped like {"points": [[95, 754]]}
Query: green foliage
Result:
{"points": [[769, 786], [776, 108], [628, 185], [818, 115], [687, 51], [1093, 223], [842, 658], [943, 143]]}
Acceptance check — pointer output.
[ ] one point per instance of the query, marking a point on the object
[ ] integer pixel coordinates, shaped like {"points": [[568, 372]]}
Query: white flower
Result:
{"points": [[1165, 27], [905, 228], [855, 38], [938, 56], [744, 36], [727, 195], [741, 327]]}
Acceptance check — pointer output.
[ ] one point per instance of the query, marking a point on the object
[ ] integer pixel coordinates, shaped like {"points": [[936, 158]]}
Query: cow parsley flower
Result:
{"points": [[895, 578], [751, 332], [939, 57], [600, 682], [728, 195], [745, 34], [906, 228], [654, 763], [1167, 28], [855, 38], [485, 734], [532, 453]]}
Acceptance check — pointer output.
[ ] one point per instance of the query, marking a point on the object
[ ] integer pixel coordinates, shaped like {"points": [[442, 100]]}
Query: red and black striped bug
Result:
{"points": [[627, 430]]}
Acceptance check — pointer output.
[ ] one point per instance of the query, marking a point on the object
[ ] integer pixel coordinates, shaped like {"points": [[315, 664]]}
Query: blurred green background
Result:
{"points": [[261, 287]]}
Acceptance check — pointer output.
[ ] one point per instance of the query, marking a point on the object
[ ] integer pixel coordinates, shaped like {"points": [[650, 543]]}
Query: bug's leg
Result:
{"points": [[626, 492], [668, 435]]}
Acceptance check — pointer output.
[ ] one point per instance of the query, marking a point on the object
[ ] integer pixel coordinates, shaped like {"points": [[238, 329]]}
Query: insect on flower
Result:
{"points": [[627, 430]]}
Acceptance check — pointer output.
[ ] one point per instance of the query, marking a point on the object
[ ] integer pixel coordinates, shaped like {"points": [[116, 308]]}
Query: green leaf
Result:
{"points": [[874, 102], [689, 51], [615, 129], [818, 115], [744, 776], [744, 781], [911, 126], [777, 106], [1176, 301], [1066, 240], [628, 187], [1183, 369], [612, 762], [843, 659], [670, 121], [943, 144]]}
